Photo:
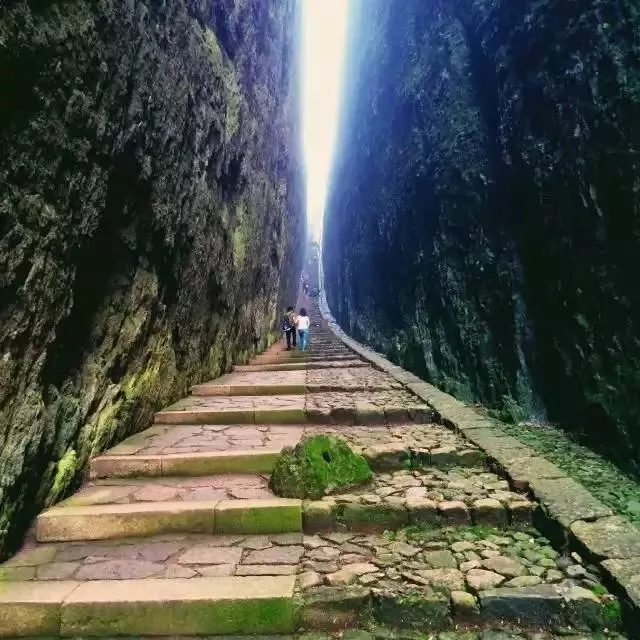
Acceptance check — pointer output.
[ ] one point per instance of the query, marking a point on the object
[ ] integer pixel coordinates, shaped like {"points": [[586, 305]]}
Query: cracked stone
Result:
{"points": [[480, 579], [324, 554], [275, 555], [440, 559], [504, 566], [309, 579], [211, 555], [350, 573]]}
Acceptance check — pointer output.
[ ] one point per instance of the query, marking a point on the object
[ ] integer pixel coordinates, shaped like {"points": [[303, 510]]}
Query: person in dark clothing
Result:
{"points": [[289, 327]]}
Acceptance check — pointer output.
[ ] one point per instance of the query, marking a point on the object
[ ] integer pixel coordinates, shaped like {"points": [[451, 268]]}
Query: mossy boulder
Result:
{"points": [[318, 466]]}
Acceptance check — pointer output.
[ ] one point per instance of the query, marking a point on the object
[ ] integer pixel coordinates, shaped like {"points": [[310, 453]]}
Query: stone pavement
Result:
{"points": [[176, 531]]}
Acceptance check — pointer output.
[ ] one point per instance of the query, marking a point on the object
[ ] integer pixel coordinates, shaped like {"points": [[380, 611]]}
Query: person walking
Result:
{"points": [[303, 323], [289, 327]]}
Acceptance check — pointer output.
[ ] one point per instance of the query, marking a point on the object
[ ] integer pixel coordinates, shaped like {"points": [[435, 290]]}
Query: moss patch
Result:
{"points": [[65, 473], [316, 467]]}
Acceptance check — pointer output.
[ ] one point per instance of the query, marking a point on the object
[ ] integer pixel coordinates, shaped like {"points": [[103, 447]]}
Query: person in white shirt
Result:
{"points": [[303, 324]]}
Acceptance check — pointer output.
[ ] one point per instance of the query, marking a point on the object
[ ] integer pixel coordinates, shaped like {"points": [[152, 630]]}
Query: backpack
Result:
{"points": [[286, 323]]}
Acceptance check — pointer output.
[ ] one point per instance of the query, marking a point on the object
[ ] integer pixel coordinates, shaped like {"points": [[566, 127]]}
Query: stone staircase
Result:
{"points": [[176, 531]]}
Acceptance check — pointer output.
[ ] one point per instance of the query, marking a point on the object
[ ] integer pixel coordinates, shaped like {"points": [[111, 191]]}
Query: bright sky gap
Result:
{"points": [[323, 49]]}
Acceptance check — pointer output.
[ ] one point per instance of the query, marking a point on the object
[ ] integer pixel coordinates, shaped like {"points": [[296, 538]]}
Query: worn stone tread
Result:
{"points": [[105, 521], [148, 607]]}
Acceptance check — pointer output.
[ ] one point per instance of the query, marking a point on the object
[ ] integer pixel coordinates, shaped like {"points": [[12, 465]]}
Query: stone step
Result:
{"points": [[66, 522], [164, 607], [229, 389], [363, 407], [213, 389], [225, 410], [191, 450], [346, 579], [314, 349], [184, 464], [320, 357], [295, 366]]}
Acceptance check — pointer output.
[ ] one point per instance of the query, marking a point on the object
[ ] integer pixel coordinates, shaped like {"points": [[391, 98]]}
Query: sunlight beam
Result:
{"points": [[323, 48]]}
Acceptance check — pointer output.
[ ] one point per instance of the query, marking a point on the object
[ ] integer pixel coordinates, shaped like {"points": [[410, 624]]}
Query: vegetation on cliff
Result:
{"points": [[151, 218]]}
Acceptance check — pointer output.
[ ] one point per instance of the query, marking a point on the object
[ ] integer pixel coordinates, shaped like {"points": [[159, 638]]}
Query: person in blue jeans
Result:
{"points": [[303, 323]]}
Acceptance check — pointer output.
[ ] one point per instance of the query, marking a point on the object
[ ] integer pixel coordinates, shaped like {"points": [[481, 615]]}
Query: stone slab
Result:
{"points": [[609, 538], [540, 605], [625, 575], [101, 522], [526, 470], [335, 608], [278, 515], [32, 608], [180, 607], [567, 501], [125, 466], [218, 462], [203, 416]]}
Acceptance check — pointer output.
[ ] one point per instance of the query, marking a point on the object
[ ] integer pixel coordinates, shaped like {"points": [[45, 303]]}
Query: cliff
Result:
{"points": [[151, 218], [483, 226]]}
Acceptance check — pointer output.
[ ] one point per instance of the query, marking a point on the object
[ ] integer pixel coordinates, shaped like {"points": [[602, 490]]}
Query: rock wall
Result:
{"points": [[483, 226], [151, 217]]}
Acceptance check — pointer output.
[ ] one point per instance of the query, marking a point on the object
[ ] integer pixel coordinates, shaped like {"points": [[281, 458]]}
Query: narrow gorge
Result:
{"points": [[246, 392]]}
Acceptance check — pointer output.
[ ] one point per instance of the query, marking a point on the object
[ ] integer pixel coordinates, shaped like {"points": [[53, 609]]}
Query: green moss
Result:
{"points": [[216, 55], [509, 412], [224, 70], [316, 467], [419, 609], [612, 614], [599, 590], [65, 473], [258, 519], [373, 518], [239, 247]]}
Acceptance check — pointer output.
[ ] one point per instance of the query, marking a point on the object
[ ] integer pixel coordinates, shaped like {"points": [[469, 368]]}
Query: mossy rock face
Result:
{"points": [[112, 305], [316, 467], [470, 296]]}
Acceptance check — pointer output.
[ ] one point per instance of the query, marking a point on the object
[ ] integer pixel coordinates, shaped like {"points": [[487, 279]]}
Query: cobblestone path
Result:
{"points": [[176, 531]]}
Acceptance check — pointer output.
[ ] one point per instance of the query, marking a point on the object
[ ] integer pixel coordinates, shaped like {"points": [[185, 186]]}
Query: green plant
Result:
{"points": [[318, 466]]}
